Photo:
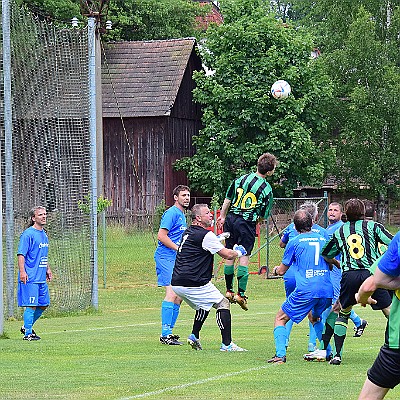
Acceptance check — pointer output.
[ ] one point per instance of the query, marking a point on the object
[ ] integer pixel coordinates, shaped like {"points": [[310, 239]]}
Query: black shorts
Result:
{"points": [[385, 371], [242, 232], [351, 282]]}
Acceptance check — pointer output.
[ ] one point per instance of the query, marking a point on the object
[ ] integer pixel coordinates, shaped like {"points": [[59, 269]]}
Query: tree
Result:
{"points": [[132, 19], [360, 53], [241, 120]]}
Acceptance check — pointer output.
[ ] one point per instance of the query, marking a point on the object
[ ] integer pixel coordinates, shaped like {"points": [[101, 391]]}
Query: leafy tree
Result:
{"points": [[149, 19], [132, 19], [246, 54], [360, 44]]}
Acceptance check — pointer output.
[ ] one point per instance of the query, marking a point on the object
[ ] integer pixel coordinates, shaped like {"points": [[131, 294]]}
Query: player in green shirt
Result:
{"points": [[358, 241], [385, 371], [248, 199]]}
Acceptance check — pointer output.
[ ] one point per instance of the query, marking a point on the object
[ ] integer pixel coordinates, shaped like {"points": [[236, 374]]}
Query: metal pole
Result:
{"points": [[93, 155], [8, 167]]}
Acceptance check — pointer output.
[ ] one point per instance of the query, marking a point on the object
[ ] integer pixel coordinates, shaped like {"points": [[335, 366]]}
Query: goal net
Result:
{"points": [[50, 150]]}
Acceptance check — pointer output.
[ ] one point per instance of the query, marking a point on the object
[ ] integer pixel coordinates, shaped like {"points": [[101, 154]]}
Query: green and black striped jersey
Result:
{"points": [[360, 243], [392, 334], [250, 196]]}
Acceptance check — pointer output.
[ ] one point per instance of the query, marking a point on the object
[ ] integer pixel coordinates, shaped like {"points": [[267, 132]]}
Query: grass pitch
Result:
{"points": [[115, 353]]}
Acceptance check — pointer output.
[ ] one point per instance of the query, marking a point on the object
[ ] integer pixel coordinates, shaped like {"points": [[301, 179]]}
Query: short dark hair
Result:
{"points": [[266, 162], [369, 208], [196, 210], [180, 188], [354, 209], [303, 221]]}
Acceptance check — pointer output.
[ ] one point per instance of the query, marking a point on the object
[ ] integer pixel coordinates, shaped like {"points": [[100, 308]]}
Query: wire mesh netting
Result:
{"points": [[50, 150]]}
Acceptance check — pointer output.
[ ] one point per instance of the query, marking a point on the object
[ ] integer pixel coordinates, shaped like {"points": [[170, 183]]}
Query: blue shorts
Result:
{"points": [[297, 307], [164, 267], [33, 295]]}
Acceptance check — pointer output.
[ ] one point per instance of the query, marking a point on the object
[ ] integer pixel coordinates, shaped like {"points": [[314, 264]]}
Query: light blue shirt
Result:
{"points": [[174, 221]]}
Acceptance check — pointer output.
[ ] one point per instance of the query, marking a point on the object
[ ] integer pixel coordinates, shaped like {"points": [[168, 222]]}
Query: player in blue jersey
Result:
{"points": [[289, 277], [172, 225], [34, 271], [314, 289]]}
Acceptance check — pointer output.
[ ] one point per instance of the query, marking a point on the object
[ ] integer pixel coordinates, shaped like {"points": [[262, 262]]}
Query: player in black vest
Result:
{"points": [[191, 278]]}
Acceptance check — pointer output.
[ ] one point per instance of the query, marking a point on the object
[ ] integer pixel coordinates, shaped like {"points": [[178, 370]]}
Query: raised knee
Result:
{"points": [[223, 304]]}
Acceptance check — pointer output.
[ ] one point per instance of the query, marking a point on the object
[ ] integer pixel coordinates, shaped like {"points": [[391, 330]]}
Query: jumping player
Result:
{"points": [[248, 199]]}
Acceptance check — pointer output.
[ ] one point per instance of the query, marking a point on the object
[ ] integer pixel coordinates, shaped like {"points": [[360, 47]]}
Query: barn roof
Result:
{"points": [[142, 79]]}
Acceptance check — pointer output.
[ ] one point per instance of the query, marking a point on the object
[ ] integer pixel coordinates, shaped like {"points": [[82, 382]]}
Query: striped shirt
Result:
{"points": [[359, 244], [250, 196]]}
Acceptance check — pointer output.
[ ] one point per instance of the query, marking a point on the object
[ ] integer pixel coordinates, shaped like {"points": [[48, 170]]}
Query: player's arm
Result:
{"points": [[228, 254], [280, 269], [163, 237], [332, 262], [224, 211], [21, 266], [376, 281]]}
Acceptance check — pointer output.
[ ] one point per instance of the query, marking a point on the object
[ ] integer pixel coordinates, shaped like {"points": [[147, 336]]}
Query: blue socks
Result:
{"points": [[175, 314], [29, 319], [167, 311], [355, 318], [36, 315], [280, 335], [312, 334], [288, 326]]}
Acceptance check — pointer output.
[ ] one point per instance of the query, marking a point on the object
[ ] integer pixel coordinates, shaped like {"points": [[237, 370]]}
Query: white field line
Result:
{"points": [[102, 328], [199, 382]]}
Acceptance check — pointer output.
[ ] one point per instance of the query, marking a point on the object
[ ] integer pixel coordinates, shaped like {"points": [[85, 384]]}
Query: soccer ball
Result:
{"points": [[280, 89]]}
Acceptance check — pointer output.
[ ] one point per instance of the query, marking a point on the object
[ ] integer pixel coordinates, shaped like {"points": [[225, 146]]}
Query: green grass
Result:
{"points": [[115, 354]]}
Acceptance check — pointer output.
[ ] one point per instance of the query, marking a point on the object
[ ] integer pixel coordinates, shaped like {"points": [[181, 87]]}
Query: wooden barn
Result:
{"points": [[149, 119]]}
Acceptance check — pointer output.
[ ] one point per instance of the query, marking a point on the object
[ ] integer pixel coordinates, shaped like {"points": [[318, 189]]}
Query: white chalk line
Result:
{"points": [[199, 382]]}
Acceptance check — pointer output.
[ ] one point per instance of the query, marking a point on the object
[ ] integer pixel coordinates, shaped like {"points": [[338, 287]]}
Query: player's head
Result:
{"points": [[335, 212], [354, 209], [303, 221], [266, 164], [201, 215], [369, 209], [182, 196], [311, 208], [37, 215]]}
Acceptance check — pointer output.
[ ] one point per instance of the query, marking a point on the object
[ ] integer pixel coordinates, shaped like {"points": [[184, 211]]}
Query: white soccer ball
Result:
{"points": [[280, 89]]}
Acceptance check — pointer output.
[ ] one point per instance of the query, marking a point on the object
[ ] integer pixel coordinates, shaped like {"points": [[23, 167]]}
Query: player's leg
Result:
{"points": [[312, 336], [229, 268], [289, 281], [169, 312], [28, 295], [383, 375], [370, 391], [340, 331], [246, 237], [280, 338]]}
